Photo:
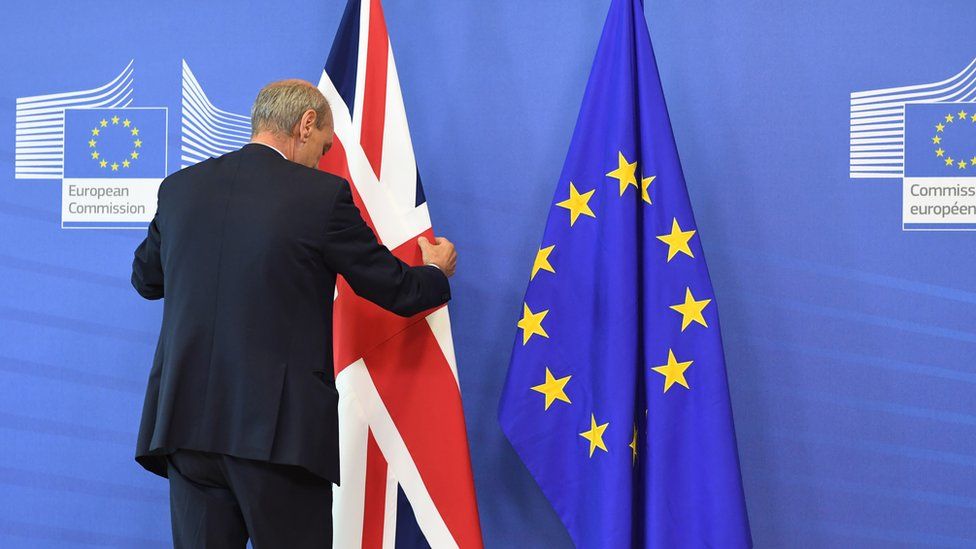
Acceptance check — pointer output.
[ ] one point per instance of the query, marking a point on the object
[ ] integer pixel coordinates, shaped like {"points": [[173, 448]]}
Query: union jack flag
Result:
{"points": [[405, 468]]}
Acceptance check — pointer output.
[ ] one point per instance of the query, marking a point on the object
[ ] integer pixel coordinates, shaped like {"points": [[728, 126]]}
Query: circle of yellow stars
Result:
{"points": [[97, 132], [691, 309], [949, 120]]}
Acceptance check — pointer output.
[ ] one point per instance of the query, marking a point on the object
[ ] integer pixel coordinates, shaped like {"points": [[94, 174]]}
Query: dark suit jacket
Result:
{"points": [[245, 249]]}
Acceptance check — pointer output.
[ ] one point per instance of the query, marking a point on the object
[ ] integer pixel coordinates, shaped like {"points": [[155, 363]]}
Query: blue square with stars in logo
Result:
{"points": [[940, 140], [122, 143]]}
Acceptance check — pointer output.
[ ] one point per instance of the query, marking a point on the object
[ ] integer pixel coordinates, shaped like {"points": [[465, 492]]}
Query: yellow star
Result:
{"points": [[115, 166], [137, 143], [531, 323], [949, 161], [939, 152], [625, 173], [134, 155], [936, 140], [104, 122], [135, 131], [92, 142], [973, 117], [115, 120], [554, 389], [95, 131], [962, 164], [95, 155], [973, 161], [645, 184], [633, 444], [542, 261], [673, 372], [963, 115], [939, 127], [677, 240], [126, 123], [125, 163], [577, 204], [691, 310], [949, 118], [595, 435], [103, 163]]}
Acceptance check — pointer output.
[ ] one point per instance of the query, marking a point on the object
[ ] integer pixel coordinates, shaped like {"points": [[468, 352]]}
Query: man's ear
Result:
{"points": [[306, 124]]}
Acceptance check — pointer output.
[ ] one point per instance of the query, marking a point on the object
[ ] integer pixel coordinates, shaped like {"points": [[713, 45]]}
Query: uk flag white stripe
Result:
{"points": [[349, 498], [357, 114], [399, 166], [390, 510]]}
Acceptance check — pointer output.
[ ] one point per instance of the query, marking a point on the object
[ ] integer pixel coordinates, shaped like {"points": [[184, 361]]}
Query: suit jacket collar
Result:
{"points": [[262, 147]]}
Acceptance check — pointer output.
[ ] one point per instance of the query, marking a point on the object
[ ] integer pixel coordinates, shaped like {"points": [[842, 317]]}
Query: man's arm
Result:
{"points": [[374, 272], [147, 267]]}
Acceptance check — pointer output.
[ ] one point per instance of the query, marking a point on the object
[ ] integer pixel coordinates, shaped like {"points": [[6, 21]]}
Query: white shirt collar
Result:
{"points": [[272, 148]]}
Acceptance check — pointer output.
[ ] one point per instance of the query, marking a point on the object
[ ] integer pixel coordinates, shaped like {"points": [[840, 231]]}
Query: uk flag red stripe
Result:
{"points": [[374, 93], [374, 506]]}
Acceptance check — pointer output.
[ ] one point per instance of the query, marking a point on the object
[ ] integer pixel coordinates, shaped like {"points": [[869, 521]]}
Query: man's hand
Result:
{"points": [[441, 254]]}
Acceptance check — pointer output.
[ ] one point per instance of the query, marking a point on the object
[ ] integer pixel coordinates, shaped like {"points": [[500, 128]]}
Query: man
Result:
{"points": [[241, 407]]}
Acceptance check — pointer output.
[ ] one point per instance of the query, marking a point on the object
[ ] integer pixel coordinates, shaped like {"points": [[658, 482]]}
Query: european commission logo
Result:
{"points": [[114, 161], [111, 156], [924, 135]]}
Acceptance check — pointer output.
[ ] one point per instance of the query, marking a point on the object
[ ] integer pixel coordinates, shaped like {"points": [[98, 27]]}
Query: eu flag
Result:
{"points": [[616, 398]]}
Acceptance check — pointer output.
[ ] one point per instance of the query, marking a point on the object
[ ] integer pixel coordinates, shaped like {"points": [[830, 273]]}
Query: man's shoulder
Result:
{"points": [[315, 176], [203, 169], [322, 187]]}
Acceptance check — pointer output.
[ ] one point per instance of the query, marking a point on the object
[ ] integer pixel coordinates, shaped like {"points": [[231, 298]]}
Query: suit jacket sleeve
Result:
{"points": [[147, 267], [372, 270]]}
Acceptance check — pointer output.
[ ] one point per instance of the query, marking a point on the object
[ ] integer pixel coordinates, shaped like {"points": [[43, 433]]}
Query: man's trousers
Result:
{"points": [[219, 501]]}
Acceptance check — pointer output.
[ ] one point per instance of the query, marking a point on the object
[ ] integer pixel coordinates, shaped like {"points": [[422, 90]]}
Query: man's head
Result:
{"points": [[293, 117]]}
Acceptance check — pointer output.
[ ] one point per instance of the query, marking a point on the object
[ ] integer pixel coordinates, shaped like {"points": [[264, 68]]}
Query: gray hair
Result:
{"points": [[280, 105]]}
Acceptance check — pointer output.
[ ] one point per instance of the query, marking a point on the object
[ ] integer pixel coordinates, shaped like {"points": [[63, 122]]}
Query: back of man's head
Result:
{"points": [[280, 106]]}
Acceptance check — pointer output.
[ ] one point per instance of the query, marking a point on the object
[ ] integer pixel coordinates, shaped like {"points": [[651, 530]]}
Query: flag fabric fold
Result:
{"points": [[616, 397]]}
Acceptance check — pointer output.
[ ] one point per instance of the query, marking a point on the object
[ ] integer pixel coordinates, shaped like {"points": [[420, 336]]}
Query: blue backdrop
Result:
{"points": [[850, 342]]}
